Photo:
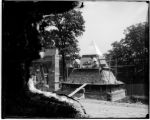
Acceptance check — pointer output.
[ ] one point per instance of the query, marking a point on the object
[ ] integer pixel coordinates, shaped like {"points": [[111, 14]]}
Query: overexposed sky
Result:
{"points": [[106, 21]]}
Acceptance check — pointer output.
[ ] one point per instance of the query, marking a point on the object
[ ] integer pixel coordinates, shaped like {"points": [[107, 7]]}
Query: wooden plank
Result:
{"points": [[74, 92]]}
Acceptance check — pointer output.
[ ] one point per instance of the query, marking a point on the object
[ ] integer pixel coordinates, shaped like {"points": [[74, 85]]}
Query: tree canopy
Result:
{"points": [[132, 49], [131, 53], [61, 31]]}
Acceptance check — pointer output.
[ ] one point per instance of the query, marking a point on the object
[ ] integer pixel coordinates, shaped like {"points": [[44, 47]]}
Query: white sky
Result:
{"points": [[106, 21]]}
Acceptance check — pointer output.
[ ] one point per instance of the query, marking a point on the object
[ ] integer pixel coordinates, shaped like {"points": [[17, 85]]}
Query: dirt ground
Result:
{"points": [[105, 109]]}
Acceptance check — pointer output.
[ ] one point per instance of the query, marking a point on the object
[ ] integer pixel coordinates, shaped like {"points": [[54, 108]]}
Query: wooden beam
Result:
{"points": [[74, 92], [123, 66]]}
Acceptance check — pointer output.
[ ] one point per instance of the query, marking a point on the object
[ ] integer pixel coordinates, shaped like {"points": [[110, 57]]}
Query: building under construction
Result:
{"points": [[93, 75], [96, 74]]}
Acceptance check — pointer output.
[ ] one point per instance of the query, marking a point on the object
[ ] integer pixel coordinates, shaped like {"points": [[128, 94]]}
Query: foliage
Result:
{"points": [[61, 31], [132, 53], [133, 49]]}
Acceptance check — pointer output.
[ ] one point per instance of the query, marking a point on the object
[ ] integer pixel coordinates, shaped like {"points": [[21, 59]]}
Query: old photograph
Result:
{"points": [[75, 59]]}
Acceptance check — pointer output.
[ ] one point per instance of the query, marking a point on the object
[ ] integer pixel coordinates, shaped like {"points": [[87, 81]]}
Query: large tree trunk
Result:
{"points": [[51, 104], [20, 46]]}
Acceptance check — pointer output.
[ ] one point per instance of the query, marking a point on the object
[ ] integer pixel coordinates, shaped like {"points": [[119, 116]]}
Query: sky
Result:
{"points": [[105, 22]]}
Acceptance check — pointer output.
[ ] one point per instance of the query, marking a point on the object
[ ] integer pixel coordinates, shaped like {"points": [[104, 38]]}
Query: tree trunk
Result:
{"points": [[18, 52], [49, 104]]}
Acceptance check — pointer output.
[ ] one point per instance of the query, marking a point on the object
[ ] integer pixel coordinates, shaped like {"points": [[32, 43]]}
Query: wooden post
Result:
{"points": [[74, 92]]}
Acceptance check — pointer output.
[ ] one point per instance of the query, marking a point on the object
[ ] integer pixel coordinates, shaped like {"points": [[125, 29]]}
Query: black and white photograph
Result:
{"points": [[75, 59]]}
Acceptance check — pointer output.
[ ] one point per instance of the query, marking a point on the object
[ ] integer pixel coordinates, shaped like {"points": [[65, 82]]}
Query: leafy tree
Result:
{"points": [[132, 50], [61, 31]]}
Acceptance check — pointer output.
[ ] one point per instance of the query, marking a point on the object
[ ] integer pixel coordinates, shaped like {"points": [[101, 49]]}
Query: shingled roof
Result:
{"points": [[92, 76], [99, 75]]}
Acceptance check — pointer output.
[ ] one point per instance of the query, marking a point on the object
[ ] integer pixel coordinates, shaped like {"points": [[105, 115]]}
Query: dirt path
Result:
{"points": [[104, 109]]}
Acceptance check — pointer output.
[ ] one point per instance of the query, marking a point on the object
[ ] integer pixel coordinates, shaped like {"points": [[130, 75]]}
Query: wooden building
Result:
{"points": [[95, 71]]}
